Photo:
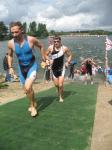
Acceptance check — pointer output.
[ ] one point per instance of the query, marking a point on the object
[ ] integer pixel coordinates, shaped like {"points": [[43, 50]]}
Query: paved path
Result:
{"points": [[102, 130]]}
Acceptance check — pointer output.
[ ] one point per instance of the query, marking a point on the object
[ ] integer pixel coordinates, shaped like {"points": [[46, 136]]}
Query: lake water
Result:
{"points": [[81, 47]]}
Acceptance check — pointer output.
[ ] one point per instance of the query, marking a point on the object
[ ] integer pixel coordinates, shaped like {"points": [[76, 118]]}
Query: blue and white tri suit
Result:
{"points": [[27, 65]]}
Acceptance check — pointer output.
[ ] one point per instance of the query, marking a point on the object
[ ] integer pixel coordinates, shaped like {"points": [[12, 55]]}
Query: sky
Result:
{"points": [[59, 15]]}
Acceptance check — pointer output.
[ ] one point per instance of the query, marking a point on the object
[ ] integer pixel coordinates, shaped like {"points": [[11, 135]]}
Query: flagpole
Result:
{"points": [[108, 47], [106, 64]]}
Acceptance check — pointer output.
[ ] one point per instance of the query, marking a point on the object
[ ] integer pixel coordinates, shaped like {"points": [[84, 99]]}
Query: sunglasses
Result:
{"points": [[15, 32], [56, 41]]}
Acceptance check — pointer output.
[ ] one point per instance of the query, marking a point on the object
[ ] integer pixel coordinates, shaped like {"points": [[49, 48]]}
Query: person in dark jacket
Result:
{"points": [[6, 68], [71, 66], [47, 72]]}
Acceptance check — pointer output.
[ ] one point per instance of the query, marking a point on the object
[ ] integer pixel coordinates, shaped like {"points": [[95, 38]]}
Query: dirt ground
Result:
{"points": [[14, 91], [102, 130]]}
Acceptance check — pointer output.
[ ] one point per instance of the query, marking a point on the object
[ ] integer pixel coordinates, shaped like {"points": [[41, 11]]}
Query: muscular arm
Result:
{"points": [[38, 44], [10, 55], [68, 54], [93, 63], [48, 52], [10, 58]]}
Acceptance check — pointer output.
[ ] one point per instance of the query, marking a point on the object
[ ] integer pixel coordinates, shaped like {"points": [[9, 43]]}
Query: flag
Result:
{"points": [[108, 44]]}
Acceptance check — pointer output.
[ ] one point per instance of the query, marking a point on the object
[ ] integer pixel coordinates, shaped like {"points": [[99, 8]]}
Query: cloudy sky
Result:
{"points": [[59, 15]]}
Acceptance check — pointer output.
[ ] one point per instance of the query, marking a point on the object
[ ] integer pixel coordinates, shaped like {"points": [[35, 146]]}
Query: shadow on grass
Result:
{"points": [[68, 93], [44, 102], [3, 85]]}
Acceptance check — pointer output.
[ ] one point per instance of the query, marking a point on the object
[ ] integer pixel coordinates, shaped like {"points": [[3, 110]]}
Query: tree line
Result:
{"points": [[40, 30], [32, 29]]}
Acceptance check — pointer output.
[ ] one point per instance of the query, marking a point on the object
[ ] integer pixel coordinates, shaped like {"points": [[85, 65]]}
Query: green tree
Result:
{"points": [[25, 27], [42, 30], [33, 28], [52, 32], [3, 30]]}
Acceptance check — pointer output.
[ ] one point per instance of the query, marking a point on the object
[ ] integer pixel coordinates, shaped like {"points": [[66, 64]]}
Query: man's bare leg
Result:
{"points": [[30, 94], [61, 80], [55, 80], [31, 97], [61, 94], [91, 77], [59, 86]]}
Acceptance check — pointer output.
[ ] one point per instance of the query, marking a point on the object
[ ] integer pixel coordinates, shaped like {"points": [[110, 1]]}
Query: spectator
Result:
{"points": [[71, 66], [6, 68]]}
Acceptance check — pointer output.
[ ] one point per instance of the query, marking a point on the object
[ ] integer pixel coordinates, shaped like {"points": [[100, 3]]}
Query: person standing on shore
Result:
{"points": [[57, 52], [47, 72], [6, 68], [72, 69], [83, 72], [48, 65], [23, 47], [88, 64]]}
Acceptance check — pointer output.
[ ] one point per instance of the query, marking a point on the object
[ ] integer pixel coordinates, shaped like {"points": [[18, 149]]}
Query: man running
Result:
{"points": [[23, 47], [57, 53]]}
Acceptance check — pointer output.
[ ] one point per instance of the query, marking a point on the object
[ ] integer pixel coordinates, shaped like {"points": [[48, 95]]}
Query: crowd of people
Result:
{"points": [[86, 69]]}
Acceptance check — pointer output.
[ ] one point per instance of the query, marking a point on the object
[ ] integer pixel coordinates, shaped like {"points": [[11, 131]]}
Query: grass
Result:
{"points": [[3, 85], [59, 126]]}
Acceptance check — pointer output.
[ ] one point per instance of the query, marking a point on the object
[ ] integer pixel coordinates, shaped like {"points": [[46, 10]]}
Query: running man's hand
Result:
{"points": [[43, 64], [66, 65], [50, 61], [11, 71]]}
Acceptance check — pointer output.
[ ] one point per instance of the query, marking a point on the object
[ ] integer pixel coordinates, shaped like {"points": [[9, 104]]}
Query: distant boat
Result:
{"points": [[81, 58], [79, 48], [99, 61]]}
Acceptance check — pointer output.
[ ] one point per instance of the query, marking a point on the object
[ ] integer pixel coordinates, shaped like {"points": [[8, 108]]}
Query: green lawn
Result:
{"points": [[59, 126]]}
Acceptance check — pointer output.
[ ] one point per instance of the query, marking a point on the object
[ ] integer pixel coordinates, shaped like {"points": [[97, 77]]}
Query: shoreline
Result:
{"points": [[14, 91]]}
